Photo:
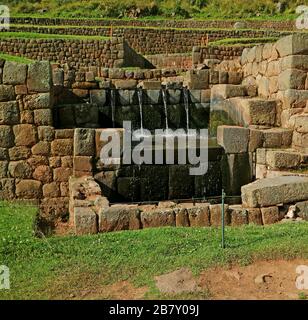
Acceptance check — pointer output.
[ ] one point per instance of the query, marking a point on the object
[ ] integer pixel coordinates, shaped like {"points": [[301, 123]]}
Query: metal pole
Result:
{"points": [[223, 219]]}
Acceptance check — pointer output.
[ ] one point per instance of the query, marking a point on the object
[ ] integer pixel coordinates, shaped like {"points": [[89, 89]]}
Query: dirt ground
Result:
{"points": [[263, 280]]}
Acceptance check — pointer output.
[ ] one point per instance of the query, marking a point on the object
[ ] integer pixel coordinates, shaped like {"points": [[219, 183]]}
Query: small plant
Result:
{"points": [[302, 296]]}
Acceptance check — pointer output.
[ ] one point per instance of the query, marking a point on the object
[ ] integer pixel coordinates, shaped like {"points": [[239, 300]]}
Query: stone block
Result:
{"points": [[292, 79], [43, 174], [3, 169], [277, 137], [84, 142], [19, 153], [226, 91], [181, 218], [85, 221], [83, 163], [9, 113], [7, 93], [254, 216], [98, 97], [62, 174], [41, 148], [39, 76], [199, 215], [119, 218], [238, 215], [279, 159], [25, 135], [233, 139], [216, 215], [14, 73], [62, 147], [302, 209], [46, 133], [158, 218], [51, 190], [125, 84], [29, 189], [7, 189], [294, 44], [20, 169], [43, 117], [270, 215], [6, 137], [273, 191]]}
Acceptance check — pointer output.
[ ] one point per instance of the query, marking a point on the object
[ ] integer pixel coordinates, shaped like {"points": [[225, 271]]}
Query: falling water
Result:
{"points": [[186, 104], [113, 102], [139, 91], [165, 108]]}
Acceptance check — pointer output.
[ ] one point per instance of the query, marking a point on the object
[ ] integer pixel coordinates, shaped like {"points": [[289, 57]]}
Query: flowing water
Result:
{"points": [[113, 103], [139, 92], [165, 108], [186, 104]]}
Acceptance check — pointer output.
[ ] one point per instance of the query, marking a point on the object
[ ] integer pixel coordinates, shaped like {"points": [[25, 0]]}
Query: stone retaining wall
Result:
{"points": [[255, 24], [156, 41]]}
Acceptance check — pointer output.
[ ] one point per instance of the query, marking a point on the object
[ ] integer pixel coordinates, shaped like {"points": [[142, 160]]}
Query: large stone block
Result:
{"points": [[25, 135], [292, 98], [6, 137], [14, 73], [43, 174], [29, 189], [216, 215], [279, 159], [225, 91], [236, 172], [43, 117], [99, 97], [296, 43], [62, 147], [292, 79], [7, 189], [273, 191], [277, 138], [85, 221], [39, 76], [238, 215], [158, 218], [3, 169], [7, 93], [199, 215], [119, 218], [302, 209], [294, 62], [233, 139], [270, 215], [254, 216], [9, 113], [20, 169], [84, 142]]}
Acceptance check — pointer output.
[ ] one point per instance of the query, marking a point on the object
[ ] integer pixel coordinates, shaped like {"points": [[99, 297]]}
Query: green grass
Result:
{"points": [[14, 58], [33, 35], [242, 41], [56, 266], [154, 9]]}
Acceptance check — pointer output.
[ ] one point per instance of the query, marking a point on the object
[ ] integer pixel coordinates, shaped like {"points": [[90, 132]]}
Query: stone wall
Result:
{"points": [[280, 72], [75, 53], [180, 60], [253, 24], [156, 40], [35, 159]]}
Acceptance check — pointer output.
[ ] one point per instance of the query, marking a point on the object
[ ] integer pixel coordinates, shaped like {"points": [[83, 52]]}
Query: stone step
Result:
{"points": [[225, 91], [300, 136], [272, 191], [245, 111]]}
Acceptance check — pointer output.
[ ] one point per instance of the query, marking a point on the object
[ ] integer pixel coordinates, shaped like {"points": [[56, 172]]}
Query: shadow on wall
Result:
{"points": [[134, 59]]}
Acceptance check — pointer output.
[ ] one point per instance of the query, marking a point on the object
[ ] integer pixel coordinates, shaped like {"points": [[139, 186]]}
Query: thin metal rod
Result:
{"points": [[223, 195]]}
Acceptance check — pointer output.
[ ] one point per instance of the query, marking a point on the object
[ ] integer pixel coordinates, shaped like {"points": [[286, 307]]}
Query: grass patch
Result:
{"points": [[53, 267], [33, 35], [242, 41], [8, 57]]}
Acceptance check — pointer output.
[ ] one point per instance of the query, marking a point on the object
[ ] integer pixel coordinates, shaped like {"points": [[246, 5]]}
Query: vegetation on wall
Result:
{"points": [[157, 8]]}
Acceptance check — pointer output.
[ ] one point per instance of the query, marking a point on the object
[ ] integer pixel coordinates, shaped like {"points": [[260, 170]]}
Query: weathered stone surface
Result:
{"points": [[238, 215], [20, 169], [14, 73], [273, 191], [51, 190], [43, 173], [233, 139], [67, 162], [254, 216], [25, 135], [216, 215], [4, 155], [35, 161], [84, 142], [181, 218], [3, 169], [62, 174], [29, 189], [119, 218], [19, 153], [270, 215], [158, 218], [9, 113], [255, 139], [277, 137], [85, 221], [98, 97], [7, 189], [62, 147], [43, 117], [302, 209], [39, 76], [107, 182], [199, 216], [225, 91], [236, 172], [279, 159], [6, 137], [292, 79], [125, 84], [7, 93], [291, 45], [294, 62], [82, 163]]}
